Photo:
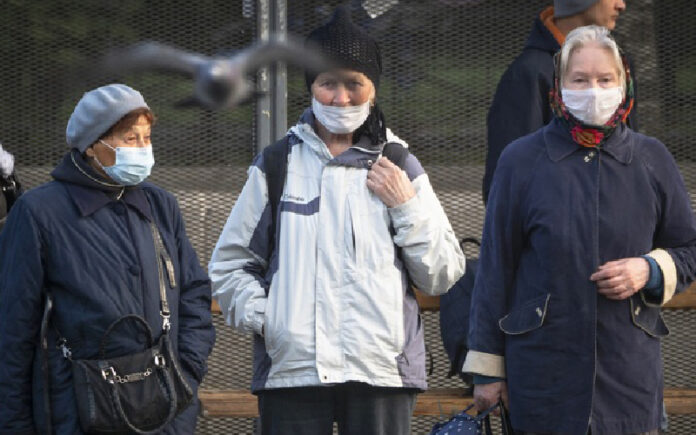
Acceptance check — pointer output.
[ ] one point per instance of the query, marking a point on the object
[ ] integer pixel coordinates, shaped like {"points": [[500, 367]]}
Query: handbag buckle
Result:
{"points": [[160, 361], [108, 374], [166, 326]]}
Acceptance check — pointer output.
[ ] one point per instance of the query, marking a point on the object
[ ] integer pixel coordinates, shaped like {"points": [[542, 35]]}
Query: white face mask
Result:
{"points": [[593, 106], [340, 120]]}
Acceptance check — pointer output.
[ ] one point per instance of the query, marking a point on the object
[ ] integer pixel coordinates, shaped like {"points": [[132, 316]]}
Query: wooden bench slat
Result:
{"points": [[437, 402], [684, 300]]}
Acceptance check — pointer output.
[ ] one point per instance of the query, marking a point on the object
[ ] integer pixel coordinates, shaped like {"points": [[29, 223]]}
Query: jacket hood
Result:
{"points": [[304, 129], [90, 191], [74, 169], [540, 38]]}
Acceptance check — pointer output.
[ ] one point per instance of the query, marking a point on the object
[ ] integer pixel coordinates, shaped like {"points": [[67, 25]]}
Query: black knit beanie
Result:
{"points": [[348, 45]]}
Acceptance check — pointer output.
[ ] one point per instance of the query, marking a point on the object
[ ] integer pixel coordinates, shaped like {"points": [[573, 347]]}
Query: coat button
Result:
{"points": [[637, 311], [134, 269], [589, 156], [539, 312]]}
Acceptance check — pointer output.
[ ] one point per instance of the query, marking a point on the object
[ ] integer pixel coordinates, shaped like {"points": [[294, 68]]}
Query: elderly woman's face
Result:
{"points": [[343, 88], [137, 135], [591, 66]]}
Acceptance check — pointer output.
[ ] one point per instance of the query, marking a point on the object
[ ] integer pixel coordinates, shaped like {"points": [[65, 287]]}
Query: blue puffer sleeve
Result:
{"points": [[21, 283], [196, 331]]}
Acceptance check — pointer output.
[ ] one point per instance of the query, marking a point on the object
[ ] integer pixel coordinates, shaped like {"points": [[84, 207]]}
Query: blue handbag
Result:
{"points": [[465, 424]]}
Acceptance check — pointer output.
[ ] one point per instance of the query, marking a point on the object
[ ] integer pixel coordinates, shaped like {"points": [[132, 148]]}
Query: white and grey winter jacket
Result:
{"points": [[339, 305]]}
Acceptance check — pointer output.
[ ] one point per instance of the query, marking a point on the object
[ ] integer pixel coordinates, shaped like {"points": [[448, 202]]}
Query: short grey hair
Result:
{"points": [[581, 36]]}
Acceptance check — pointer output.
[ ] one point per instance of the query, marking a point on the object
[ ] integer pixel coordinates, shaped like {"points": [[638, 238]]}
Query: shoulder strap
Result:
{"points": [[396, 153], [163, 256], [275, 162]]}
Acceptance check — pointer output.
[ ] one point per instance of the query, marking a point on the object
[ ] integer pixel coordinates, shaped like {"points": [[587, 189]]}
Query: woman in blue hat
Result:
{"points": [[86, 239]]}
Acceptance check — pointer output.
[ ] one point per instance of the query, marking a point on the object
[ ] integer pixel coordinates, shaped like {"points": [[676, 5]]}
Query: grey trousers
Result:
{"points": [[357, 408]]}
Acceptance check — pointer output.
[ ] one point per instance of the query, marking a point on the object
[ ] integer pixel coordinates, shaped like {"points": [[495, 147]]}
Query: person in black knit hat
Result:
{"points": [[352, 48], [337, 337]]}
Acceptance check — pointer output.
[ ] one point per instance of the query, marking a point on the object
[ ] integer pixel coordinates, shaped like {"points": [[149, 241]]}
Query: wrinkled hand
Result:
{"points": [[487, 395], [389, 183], [620, 279]]}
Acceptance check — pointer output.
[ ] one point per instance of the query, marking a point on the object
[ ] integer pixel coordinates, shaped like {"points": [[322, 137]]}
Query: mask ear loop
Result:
{"points": [[96, 159]]}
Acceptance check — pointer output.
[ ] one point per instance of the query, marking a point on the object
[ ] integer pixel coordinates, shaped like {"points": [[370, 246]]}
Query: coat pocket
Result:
{"points": [[526, 317], [647, 318]]}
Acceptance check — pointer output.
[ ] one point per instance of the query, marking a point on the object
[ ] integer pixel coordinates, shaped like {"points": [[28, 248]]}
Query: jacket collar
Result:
{"points": [[546, 18], [560, 144], [541, 37], [90, 192], [359, 155], [89, 200]]}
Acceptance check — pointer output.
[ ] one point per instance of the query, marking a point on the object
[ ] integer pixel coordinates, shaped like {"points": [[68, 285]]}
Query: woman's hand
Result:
{"points": [[487, 395], [389, 183], [620, 279]]}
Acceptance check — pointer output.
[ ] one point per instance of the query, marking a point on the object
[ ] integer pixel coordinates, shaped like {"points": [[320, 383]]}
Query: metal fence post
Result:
{"points": [[271, 81], [279, 74]]}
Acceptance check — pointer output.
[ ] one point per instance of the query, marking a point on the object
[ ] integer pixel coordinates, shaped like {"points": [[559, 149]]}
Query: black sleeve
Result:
{"points": [[520, 107]]}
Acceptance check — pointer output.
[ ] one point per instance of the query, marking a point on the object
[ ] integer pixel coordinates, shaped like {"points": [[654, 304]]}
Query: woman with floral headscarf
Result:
{"points": [[588, 231]]}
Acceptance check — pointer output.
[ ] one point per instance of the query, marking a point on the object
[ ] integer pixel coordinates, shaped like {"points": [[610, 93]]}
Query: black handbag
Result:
{"points": [[464, 423], [454, 316], [140, 392]]}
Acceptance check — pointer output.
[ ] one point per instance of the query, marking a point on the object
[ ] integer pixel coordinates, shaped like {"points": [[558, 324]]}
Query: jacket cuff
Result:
{"points": [[482, 379], [654, 288], [669, 272], [257, 317], [408, 212], [487, 364]]}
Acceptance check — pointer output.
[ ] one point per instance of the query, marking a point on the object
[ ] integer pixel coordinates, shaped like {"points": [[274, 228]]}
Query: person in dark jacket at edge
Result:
{"points": [[85, 237], [521, 102], [588, 232], [10, 188]]}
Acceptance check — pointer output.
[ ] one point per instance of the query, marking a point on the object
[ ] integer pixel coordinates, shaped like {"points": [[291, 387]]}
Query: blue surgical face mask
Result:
{"points": [[132, 166]]}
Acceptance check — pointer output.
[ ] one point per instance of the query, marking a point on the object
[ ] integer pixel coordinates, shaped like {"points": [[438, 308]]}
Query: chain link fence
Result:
{"points": [[442, 62]]}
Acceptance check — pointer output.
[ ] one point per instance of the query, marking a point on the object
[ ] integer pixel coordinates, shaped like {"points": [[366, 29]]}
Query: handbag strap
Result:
{"points": [[506, 425], [505, 420], [116, 398], [102, 343], [163, 256]]}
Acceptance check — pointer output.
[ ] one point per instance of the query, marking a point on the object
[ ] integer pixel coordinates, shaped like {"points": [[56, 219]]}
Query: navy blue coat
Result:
{"points": [[96, 255], [521, 102], [556, 212]]}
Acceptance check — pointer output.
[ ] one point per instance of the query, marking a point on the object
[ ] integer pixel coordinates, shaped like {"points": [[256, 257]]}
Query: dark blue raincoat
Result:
{"points": [[556, 212], [95, 253]]}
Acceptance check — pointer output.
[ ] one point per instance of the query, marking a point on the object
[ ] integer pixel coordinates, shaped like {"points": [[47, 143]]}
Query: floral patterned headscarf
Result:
{"points": [[583, 134]]}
